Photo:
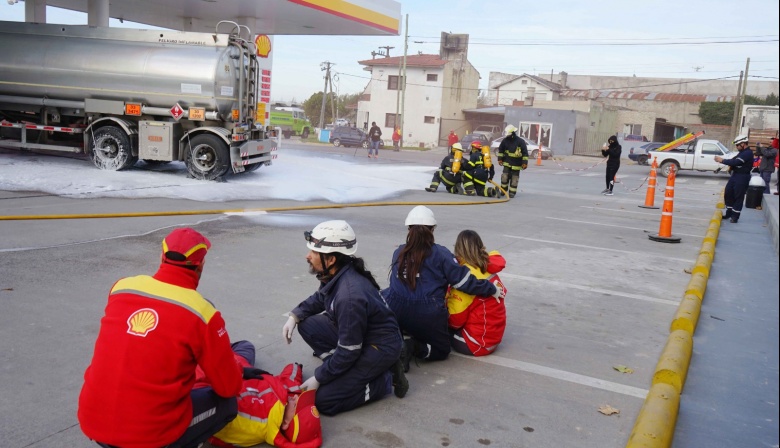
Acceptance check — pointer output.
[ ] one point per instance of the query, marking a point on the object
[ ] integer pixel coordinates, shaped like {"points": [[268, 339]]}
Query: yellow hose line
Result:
{"points": [[243, 210]]}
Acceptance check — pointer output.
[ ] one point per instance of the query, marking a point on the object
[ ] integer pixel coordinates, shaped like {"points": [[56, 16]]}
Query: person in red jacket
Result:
{"points": [[452, 138], [477, 323], [271, 409], [138, 390]]}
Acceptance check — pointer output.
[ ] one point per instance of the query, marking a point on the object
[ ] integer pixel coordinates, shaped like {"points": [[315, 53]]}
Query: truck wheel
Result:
{"points": [[336, 142], [642, 160], [253, 167], [208, 157], [110, 149], [305, 134], [666, 168]]}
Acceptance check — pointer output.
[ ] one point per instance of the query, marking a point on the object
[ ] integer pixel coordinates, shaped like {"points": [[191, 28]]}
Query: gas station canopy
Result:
{"points": [[273, 17]]}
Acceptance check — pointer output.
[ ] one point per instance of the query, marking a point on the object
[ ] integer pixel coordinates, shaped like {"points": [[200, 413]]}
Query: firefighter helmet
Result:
{"points": [[455, 146], [332, 236], [420, 216], [510, 129]]}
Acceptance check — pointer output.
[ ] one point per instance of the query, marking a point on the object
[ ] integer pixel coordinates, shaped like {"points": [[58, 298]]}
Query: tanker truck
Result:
{"points": [[123, 95]]}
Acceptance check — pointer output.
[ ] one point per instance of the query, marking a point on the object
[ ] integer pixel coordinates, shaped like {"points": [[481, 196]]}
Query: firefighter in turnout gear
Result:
{"points": [[513, 156], [449, 171], [480, 172]]}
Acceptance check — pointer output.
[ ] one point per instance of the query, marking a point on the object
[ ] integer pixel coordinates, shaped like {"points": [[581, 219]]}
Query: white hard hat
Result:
{"points": [[332, 236], [420, 216], [457, 145], [741, 138], [509, 129]]}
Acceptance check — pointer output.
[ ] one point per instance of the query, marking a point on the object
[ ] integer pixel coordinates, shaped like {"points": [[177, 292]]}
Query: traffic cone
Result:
{"points": [[650, 196], [665, 230], [539, 155]]}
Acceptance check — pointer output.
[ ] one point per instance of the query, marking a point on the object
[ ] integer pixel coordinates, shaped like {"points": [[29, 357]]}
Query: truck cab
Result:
{"points": [[699, 155]]}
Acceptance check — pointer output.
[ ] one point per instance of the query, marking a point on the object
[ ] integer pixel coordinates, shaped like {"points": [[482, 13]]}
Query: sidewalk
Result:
{"points": [[730, 398]]}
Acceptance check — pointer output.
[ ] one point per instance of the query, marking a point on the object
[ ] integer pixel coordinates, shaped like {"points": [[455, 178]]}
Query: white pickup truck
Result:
{"points": [[697, 155]]}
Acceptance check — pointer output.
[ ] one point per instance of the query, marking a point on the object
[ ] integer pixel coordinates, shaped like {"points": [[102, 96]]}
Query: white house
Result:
{"points": [[505, 89], [438, 87]]}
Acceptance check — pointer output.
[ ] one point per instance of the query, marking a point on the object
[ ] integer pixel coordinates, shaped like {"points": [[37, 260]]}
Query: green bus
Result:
{"points": [[292, 121]]}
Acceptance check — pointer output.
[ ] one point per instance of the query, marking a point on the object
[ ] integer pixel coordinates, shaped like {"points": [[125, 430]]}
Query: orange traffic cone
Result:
{"points": [[650, 196], [539, 155], [665, 229]]}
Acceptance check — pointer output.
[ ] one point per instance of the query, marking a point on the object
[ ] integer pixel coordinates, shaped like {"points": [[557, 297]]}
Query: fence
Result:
{"points": [[589, 143]]}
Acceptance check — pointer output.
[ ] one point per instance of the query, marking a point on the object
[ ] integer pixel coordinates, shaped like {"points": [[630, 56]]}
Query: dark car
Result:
{"points": [[467, 139], [639, 155], [347, 136]]}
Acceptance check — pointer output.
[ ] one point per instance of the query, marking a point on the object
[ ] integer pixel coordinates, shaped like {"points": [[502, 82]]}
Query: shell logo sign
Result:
{"points": [[263, 44], [141, 322]]}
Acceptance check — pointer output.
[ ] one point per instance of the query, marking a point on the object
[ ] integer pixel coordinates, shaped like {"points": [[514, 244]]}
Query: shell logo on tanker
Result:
{"points": [[141, 322], [263, 44]]}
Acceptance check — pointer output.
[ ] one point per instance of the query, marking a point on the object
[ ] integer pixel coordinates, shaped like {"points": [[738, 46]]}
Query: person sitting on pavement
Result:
{"points": [[477, 323], [449, 171], [271, 408], [348, 325], [420, 273], [138, 389], [480, 172]]}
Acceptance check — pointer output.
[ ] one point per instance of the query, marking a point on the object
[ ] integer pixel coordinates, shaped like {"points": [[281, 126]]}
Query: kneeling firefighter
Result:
{"points": [[513, 156], [480, 172], [449, 171]]}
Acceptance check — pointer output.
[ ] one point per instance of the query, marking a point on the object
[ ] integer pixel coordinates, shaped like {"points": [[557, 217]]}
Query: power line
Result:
{"points": [[605, 44]]}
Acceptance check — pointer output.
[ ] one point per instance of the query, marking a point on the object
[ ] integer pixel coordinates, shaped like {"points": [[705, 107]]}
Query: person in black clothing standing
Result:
{"points": [[739, 167], [513, 156], [375, 134], [612, 150]]}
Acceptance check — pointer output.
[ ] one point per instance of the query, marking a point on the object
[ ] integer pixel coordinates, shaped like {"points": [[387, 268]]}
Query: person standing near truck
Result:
{"points": [[740, 167], [767, 164], [612, 151]]}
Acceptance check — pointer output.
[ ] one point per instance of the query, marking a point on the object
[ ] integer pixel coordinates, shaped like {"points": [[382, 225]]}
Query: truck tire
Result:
{"points": [[110, 148], [305, 133], [253, 167], [208, 157], [666, 167]]}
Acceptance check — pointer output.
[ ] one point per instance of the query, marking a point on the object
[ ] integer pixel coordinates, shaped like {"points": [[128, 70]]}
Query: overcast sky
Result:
{"points": [[609, 37]]}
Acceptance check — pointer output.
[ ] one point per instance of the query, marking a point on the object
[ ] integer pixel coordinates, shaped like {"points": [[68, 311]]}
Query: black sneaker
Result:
{"points": [[400, 383]]}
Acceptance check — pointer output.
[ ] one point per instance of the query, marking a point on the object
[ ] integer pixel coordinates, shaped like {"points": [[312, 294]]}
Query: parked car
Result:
{"points": [[639, 155], [346, 136], [342, 122], [490, 131], [467, 139], [533, 148], [634, 138]]}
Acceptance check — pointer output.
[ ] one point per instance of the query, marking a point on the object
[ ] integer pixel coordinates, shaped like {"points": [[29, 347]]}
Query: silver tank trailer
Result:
{"points": [[156, 67]]}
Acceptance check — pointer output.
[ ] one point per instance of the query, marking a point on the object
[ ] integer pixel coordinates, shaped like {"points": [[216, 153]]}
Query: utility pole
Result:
{"points": [[735, 117], [387, 51], [403, 78], [324, 66]]}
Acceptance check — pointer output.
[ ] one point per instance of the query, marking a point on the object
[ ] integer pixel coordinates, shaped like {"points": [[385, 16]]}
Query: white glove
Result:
{"points": [[310, 384], [289, 327], [499, 294]]}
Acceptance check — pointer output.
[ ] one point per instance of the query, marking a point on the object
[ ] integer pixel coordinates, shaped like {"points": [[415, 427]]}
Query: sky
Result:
{"points": [[702, 39], [337, 180]]}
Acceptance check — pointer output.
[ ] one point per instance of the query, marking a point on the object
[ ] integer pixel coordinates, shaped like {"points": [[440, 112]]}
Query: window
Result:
{"points": [[632, 129], [429, 120], [392, 82], [711, 149], [524, 82], [390, 120], [433, 77]]}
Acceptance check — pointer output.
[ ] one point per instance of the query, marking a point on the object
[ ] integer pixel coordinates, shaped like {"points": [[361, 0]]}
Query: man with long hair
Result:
{"points": [[347, 324], [420, 274]]}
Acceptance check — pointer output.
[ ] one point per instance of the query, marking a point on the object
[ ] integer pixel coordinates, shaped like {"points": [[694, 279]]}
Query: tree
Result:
{"points": [[312, 107], [716, 113]]}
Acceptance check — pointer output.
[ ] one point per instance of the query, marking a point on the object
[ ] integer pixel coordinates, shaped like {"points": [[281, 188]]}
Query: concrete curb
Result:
{"points": [[656, 422]]}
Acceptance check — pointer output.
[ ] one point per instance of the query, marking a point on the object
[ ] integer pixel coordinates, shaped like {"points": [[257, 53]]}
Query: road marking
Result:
{"points": [[640, 213], [560, 375], [613, 225], [592, 289], [712, 182], [684, 260], [564, 172], [591, 174]]}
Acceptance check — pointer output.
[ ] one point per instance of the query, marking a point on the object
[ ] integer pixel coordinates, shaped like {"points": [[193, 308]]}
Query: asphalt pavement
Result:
{"points": [[588, 292]]}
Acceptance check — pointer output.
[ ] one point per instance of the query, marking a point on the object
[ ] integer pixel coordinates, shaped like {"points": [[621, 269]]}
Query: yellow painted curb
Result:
{"points": [[708, 247], [703, 264], [697, 285], [716, 216], [672, 367], [654, 427], [711, 236], [687, 315]]}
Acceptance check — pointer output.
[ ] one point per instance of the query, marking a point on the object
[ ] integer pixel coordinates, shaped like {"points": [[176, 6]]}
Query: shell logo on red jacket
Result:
{"points": [[263, 44], [141, 322]]}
